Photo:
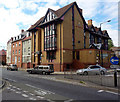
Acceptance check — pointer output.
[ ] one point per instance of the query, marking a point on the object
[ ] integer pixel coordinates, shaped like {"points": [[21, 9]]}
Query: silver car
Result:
{"points": [[92, 69], [12, 67], [41, 69]]}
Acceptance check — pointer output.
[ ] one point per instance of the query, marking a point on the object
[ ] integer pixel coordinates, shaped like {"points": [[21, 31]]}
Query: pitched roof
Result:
{"points": [[97, 29], [104, 31], [62, 10], [26, 38], [59, 13], [36, 24]]}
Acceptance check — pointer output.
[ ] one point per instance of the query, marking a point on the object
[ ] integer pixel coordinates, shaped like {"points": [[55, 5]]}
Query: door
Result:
{"points": [[16, 60], [94, 69]]}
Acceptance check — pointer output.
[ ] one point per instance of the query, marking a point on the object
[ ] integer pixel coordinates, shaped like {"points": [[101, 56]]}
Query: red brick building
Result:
{"points": [[16, 49], [3, 57]]}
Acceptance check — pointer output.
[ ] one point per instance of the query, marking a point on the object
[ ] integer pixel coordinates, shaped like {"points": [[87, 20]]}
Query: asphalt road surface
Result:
{"points": [[22, 86]]}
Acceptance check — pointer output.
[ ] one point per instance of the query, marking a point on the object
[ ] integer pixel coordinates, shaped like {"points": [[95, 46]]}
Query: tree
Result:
{"points": [[110, 44]]}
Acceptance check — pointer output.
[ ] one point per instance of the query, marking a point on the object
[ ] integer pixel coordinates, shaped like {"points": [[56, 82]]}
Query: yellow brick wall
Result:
{"points": [[67, 37], [67, 30], [88, 56], [79, 29]]}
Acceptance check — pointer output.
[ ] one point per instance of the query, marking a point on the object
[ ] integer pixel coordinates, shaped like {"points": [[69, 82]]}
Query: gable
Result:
{"points": [[50, 15]]}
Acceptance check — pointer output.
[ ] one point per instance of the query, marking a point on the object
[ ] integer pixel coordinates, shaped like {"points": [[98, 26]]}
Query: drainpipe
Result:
{"points": [[60, 48]]}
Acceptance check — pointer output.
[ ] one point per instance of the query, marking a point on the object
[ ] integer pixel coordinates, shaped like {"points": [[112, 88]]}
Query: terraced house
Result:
{"points": [[16, 49], [63, 40]]}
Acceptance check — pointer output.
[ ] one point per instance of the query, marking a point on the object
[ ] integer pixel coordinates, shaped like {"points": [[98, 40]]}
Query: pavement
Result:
{"points": [[3, 82]]}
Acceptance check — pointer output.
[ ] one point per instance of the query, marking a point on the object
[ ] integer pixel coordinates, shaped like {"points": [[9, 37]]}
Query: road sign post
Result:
{"points": [[114, 60]]}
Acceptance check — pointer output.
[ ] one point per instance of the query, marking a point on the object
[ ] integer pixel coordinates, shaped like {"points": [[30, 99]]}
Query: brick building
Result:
{"points": [[16, 49], [62, 39], [2, 57]]}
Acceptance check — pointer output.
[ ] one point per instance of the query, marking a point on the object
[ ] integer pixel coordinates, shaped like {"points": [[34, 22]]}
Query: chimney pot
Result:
{"points": [[22, 30], [90, 22]]}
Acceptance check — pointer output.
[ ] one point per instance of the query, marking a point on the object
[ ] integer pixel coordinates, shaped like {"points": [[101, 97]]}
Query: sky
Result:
{"points": [[21, 14]]}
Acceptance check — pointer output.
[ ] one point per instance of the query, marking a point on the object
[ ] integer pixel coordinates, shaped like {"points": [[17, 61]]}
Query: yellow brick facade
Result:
{"points": [[64, 43]]}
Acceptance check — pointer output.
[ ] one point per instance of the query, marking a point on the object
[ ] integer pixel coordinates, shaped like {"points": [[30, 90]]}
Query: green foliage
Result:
{"points": [[110, 44]]}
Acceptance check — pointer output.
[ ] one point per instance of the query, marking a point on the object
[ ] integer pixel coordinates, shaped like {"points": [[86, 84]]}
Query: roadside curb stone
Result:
{"points": [[3, 84]]}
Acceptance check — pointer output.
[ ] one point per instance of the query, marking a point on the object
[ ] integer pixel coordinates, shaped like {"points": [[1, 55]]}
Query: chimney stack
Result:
{"points": [[90, 22], [22, 30]]}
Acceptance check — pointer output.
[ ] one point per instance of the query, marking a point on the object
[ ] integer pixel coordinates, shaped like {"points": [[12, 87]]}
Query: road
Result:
{"points": [[22, 86]]}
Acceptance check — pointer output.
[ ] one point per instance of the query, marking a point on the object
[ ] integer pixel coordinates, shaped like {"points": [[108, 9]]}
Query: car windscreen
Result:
{"points": [[14, 66], [46, 67], [40, 67], [93, 67]]}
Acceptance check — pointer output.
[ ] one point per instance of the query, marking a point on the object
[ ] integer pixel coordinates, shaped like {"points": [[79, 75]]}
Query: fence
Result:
{"points": [[105, 80]]}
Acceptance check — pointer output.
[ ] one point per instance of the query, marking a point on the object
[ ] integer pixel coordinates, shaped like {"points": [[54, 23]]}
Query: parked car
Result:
{"points": [[41, 69], [12, 67], [92, 69]]}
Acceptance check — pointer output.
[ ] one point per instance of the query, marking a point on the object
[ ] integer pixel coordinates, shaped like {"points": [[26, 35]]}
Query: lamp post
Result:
{"points": [[101, 42]]}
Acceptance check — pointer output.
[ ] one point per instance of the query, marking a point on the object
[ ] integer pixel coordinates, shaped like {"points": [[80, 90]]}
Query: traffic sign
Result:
{"points": [[114, 60]]}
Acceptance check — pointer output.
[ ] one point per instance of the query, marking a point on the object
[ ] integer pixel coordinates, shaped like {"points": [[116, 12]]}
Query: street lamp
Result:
{"points": [[101, 42], [104, 22]]}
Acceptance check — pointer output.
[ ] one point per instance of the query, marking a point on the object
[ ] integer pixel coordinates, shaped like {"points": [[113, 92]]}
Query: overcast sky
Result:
{"points": [[21, 14]]}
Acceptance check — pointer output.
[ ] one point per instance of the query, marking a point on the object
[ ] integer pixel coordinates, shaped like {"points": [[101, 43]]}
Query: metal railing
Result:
{"points": [[103, 80]]}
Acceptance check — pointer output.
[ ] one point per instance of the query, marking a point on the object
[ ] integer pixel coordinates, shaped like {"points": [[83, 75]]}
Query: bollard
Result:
{"points": [[115, 79], [118, 84]]}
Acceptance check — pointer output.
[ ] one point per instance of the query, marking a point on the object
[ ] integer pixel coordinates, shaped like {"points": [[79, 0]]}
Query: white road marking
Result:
{"points": [[50, 100], [25, 91], [14, 87], [30, 85], [40, 93], [40, 97], [112, 92], [8, 87], [24, 95], [32, 98], [100, 90], [69, 100], [31, 94], [19, 89], [11, 80], [18, 92]]}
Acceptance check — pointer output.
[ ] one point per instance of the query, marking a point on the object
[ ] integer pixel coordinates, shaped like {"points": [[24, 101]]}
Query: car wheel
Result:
{"points": [[85, 73], [102, 73], [30, 72], [43, 73]]}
